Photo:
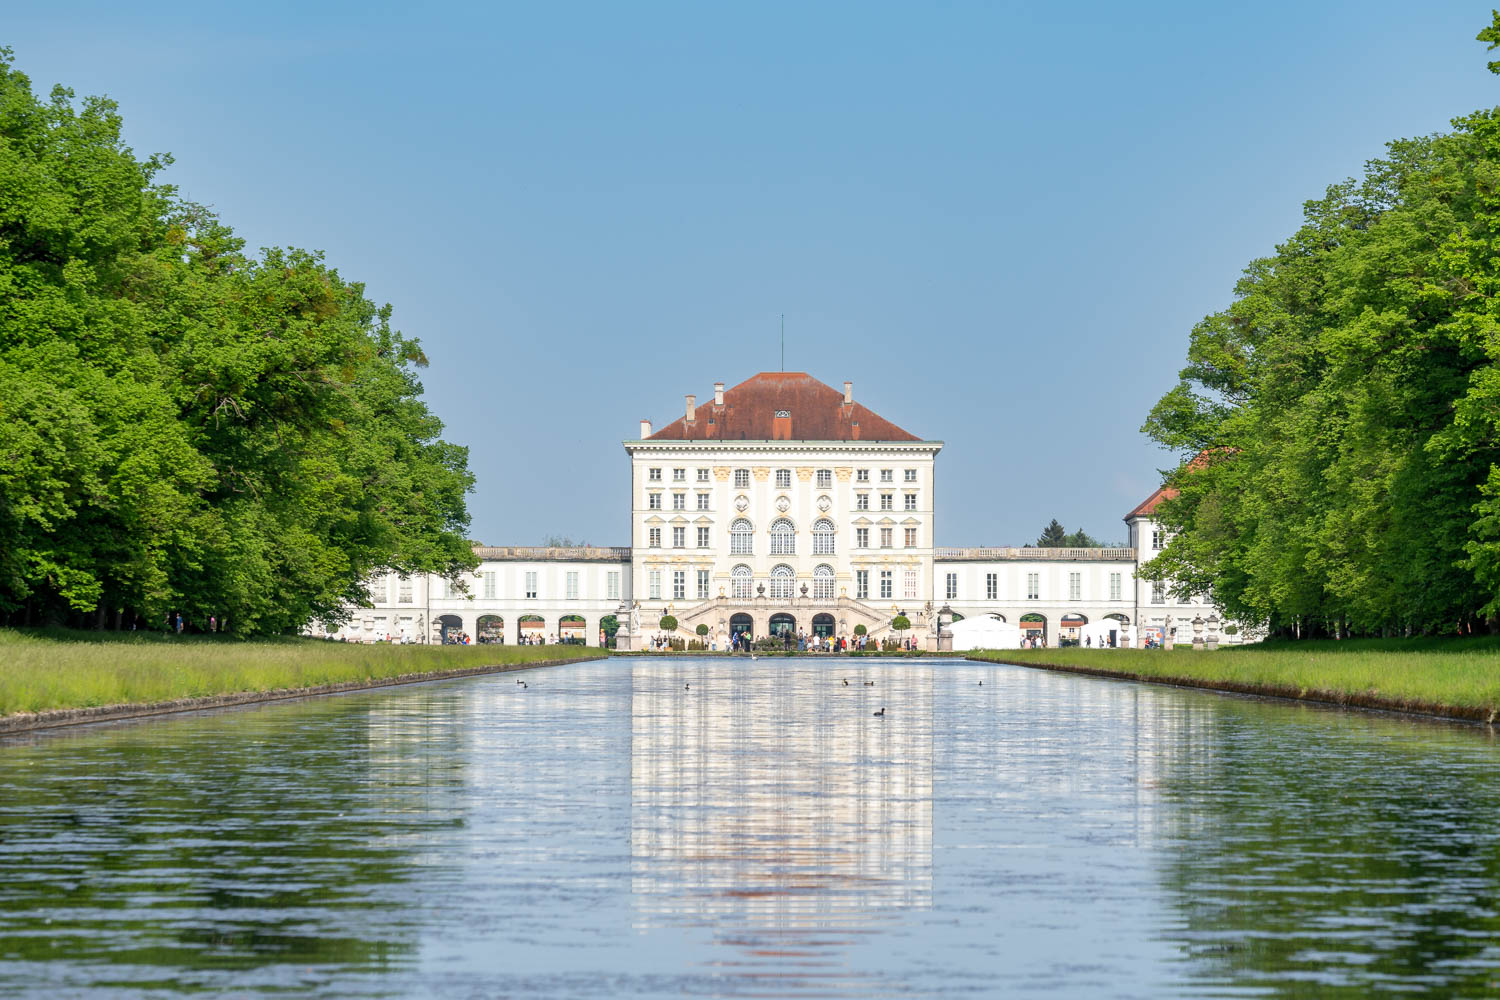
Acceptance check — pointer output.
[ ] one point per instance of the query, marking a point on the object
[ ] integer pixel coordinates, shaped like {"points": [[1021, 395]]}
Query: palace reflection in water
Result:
{"points": [[779, 800]]}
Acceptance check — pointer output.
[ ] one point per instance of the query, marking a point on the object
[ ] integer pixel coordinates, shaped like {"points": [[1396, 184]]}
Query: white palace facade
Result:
{"points": [[780, 504]]}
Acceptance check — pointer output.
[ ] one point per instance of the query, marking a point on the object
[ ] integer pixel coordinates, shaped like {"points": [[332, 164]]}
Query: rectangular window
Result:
{"points": [[1158, 538], [742, 479], [885, 476], [703, 585], [992, 586], [1033, 586], [887, 501], [703, 501], [679, 538], [1114, 586], [825, 479], [1075, 586], [679, 584], [702, 475], [653, 501], [702, 537], [403, 590], [861, 538], [885, 538], [653, 580], [1158, 593], [885, 584], [911, 475], [679, 475], [531, 590], [654, 475], [911, 501], [862, 584], [862, 501], [911, 538], [952, 589], [679, 501], [783, 479], [612, 585], [489, 586], [654, 534], [910, 593], [862, 475]]}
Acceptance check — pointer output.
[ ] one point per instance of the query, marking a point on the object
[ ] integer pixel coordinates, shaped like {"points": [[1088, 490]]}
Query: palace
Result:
{"points": [[781, 504]]}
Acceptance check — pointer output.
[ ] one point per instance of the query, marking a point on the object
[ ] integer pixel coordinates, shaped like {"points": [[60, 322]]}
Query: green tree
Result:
{"points": [[668, 623], [186, 428], [1339, 423], [860, 630], [1052, 536], [702, 629], [900, 623]]}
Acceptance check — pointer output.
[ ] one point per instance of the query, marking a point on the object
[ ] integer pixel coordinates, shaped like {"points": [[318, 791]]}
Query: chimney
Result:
{"points": [[692, 407], [848, 393], [645, 429], [718, 393]]}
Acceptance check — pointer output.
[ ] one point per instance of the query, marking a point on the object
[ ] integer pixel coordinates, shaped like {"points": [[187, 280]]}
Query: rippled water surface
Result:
{"points": [[612, 831]]}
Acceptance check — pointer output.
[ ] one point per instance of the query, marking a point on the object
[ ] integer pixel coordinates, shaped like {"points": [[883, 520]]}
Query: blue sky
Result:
{"points": [[999, 220]]}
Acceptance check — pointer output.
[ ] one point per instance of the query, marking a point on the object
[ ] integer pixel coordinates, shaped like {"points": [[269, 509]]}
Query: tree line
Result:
{"points": [[186, 428], [1339, 423]]}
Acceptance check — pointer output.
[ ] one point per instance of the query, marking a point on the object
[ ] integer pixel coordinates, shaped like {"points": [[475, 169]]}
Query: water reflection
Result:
{"points": [[715, 828], [774, 806], [196, 854]]}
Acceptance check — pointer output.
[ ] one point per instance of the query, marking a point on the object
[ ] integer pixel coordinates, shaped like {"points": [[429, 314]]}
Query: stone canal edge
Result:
{"points": [[1341, 699], [22, 722]]}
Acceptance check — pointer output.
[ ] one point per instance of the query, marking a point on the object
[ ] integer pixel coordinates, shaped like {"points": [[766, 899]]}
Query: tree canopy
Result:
{"points": [[185, 427], [1055, 536], [1339, 423]]}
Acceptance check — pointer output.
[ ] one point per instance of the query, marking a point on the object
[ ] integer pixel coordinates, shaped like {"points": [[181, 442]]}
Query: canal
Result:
{"points": [[712, 828]]}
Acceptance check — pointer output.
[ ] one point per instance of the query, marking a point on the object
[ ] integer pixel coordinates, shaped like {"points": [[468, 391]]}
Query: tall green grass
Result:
{"points": [[1456, 672], [41, 670]]}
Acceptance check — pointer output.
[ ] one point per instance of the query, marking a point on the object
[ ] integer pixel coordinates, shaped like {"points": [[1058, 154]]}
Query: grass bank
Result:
{"points": [[1458, 678], [55, 669]]}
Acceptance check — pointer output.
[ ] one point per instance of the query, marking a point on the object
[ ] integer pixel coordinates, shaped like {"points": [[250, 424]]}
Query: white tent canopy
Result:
{"points": [[1098, 632], [984, 632]]}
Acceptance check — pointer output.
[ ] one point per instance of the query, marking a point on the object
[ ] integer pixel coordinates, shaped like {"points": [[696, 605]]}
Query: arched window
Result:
{"points": [[741, 581], [782, 580], [741, 536], [823, 582], [783, 538], [822, 537]]}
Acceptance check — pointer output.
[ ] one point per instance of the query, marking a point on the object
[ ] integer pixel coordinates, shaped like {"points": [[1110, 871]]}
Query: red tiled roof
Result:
{"points": [[817, 413], [1149, 505]]}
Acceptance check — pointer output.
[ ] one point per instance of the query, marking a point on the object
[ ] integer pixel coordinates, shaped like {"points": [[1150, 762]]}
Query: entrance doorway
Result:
{"points": [[783, 624], [822, 626], [739, 625]]}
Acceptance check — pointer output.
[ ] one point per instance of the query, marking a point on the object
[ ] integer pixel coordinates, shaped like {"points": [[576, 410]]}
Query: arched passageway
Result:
{"points": [[490, 629], [1034, 626], [782, 624], [1069, 626], [739, 624], [822, 625], [450, 628], [531, 629], [572, 629]]}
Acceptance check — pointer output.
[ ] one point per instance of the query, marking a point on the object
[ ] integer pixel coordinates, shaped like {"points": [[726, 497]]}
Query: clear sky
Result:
{"points": [[999, 220]]}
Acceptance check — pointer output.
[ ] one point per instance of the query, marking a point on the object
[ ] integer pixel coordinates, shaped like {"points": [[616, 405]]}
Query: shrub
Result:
{"points": [[860, 630], [668, 623], [702, 630], [900, 623]]}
